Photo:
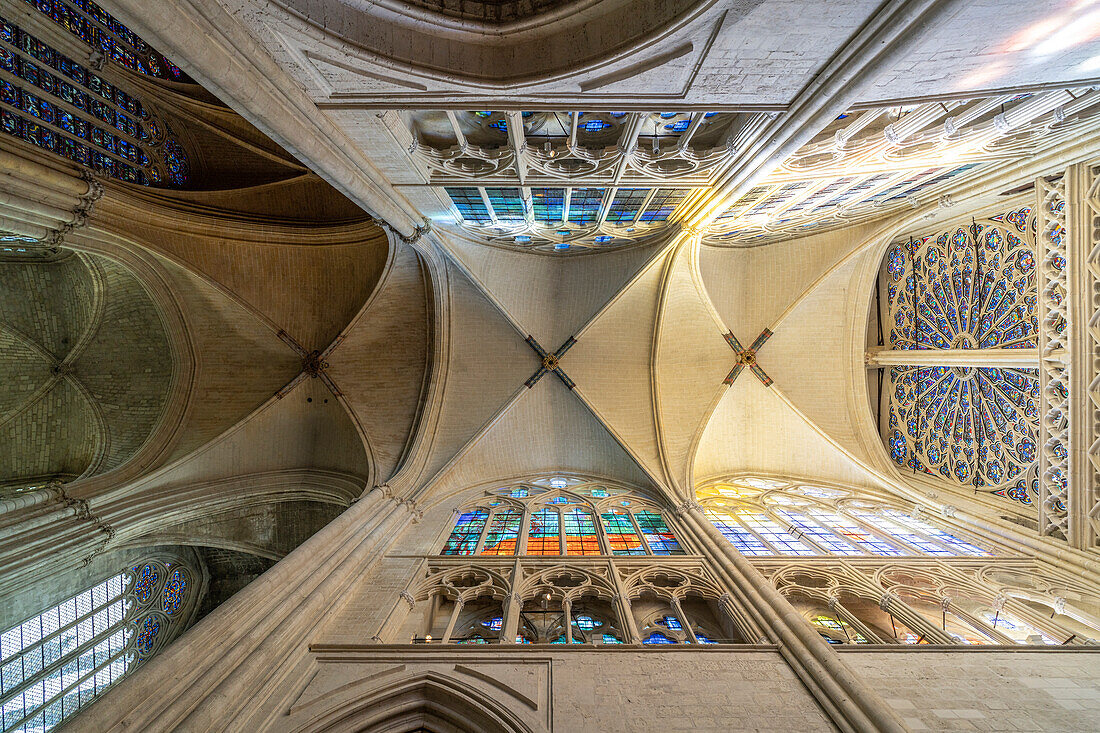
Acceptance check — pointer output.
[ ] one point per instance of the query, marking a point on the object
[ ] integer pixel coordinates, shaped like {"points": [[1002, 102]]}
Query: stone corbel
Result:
{"points": [[408, 598]]}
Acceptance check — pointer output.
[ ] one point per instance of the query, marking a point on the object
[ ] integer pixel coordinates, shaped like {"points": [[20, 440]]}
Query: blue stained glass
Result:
{"points": [[626, 204], [593, 125], [657, 638], [679, 126], [469, 204], [584, 205], [546, 204], [603, 239]]}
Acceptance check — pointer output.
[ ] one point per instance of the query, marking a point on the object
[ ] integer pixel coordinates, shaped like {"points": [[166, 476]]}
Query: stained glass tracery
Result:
{"points": [[60, 660], [55, 103], [972, 287]]}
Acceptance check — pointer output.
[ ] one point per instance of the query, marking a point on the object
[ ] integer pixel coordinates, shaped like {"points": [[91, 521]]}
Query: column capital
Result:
{"points": [[884, 602], [408, 598]]}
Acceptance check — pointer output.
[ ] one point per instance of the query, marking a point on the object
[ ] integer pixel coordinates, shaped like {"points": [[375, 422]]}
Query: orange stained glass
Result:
{"points": [[580, 533], [621, 534], [544, 534], [503, 533]]}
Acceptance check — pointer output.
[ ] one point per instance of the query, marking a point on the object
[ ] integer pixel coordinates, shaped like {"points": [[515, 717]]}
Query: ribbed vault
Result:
{"points": [[90, 362]]}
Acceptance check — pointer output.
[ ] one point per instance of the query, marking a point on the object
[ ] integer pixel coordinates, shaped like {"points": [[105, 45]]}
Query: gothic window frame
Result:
{"points": [[56, 103], [724, 501], [924, 331], [527, 499], [140, 612]]}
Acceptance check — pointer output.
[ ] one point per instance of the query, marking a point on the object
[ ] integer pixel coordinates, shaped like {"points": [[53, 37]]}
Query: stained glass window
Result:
{"points": [[971, 287], [469, 203], [57, 662], [584, 206], [657, 638], [625, 205], [546, 204], [59, 105], [802, 525], [503, 533], [544, 533], [507, 203], [621, 534], [745, 541], [663, 203], [536, 515], [580, 533], [103, 32], [467, 532], [772, 533], [657, 535], [780, 518]]}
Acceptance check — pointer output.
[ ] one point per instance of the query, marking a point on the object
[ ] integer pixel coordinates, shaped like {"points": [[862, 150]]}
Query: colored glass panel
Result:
{"points": [[663, 203], [584, 205], [466, 533], [469, 203], [174, 590], [546, 205], [960, 547], [801, 525], [743, 540], [507, 203], [924, 545], [768, 530], [544, 533], [81, 117], [657, 534], [580, 533], [503, 533], [853, 532], [968, 287], [145, 582], [626, 204], [103, 32], [58, 661], [657, 638], [621, 534]]}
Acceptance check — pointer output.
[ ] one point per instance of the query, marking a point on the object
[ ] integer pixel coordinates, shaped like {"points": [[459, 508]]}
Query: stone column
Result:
{"points": [[630, 625], [567, 615], [750, 633], [919, 624], [455, 612], [846, 616], [679, 609], [509, 627], [846, 698], [259, 636]]}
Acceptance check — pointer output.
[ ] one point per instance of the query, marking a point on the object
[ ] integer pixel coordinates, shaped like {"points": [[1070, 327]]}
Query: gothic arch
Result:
{"points": [[431, 700]]}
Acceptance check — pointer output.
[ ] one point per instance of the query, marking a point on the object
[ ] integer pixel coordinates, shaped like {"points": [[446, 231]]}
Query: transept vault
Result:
{"points": [[549, 366]]}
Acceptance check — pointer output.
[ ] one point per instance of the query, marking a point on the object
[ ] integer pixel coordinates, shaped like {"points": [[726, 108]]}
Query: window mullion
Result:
{"points": [[638, 530], [484, 532], [61, 661], [94, 671]]}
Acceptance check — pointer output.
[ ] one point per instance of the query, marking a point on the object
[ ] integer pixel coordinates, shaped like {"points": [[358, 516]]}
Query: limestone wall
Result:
{"points": [[567, 689], [989, 690]]}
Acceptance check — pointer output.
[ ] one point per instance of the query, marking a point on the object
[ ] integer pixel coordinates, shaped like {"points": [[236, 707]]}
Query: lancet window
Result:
{"points": [[960, 393], [60, 660], [766, 517], [571, 518], [60, 105]]}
